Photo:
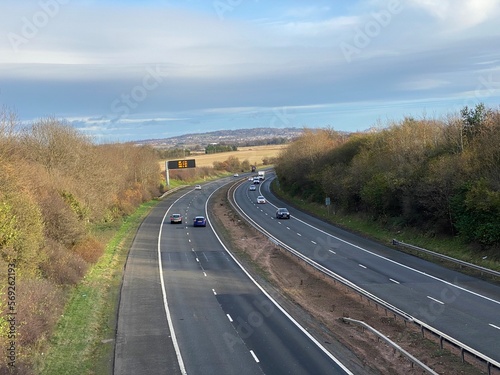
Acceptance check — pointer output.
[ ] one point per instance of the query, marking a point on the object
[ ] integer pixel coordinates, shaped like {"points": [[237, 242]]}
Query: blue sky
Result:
{"points": [[133, 70]]}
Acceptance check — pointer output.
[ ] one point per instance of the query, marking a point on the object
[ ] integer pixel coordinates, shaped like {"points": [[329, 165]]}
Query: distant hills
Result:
{"points": [[240, 137]]}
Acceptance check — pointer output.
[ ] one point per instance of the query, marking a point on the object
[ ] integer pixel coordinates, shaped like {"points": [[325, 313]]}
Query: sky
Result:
{"points": [[128, 70]]}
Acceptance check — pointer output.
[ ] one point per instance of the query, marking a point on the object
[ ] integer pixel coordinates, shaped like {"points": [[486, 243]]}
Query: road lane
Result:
{"points": [[400, 279], [187, 306]]}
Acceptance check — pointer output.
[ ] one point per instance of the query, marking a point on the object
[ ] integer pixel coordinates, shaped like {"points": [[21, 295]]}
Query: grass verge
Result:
{"points": [[83, 341]]}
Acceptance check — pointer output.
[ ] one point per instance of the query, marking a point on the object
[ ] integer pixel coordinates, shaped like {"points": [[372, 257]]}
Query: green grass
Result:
{"points": [[83, 342]]}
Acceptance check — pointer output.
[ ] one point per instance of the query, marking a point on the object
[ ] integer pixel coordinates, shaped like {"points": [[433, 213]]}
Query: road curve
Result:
{"points": [[461, 306], [188, 307]]}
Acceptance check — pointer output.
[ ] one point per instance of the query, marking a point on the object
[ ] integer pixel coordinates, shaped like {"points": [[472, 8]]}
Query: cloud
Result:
{"points": [[460, 14]]}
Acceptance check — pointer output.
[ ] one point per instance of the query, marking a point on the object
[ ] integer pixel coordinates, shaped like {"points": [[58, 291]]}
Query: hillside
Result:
{"points": [[243, 137]]}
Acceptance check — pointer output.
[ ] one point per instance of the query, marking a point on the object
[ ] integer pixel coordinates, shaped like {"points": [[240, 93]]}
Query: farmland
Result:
{"points": [[254, 154]]}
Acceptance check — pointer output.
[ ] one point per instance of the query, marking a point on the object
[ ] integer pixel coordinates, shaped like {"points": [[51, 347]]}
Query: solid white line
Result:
{"points": [[254, 356], [229, 317], [435, 300], [395, 281], [494, 326], [278, 306], [165, 303], [361, 266], [399, 264]]}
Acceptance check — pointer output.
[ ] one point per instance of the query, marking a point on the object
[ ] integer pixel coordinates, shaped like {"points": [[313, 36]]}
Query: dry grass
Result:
{"points": [[253, 154]]}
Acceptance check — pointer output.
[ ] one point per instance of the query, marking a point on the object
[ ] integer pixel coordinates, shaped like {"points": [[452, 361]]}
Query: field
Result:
{"points": [[253, 154]]}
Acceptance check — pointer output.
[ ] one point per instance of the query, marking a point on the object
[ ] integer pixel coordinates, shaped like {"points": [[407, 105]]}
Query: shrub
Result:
{"points": [[89, 249], [61, 265]]}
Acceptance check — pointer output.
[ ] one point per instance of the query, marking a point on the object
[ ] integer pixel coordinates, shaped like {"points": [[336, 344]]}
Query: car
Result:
{"points": [[261, 199], [236, 175], [175, 218], [197, 187], [282, 213], [256, 181], [252, 187], [199, 221]]}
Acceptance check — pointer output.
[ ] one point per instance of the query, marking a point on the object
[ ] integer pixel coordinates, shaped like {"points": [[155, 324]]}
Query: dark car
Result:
{"points": [[176, 218], [282, 213], [199, 221]]}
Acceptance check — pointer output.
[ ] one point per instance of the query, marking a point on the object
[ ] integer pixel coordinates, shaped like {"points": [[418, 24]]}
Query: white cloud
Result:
{"points": [[460, 14]]}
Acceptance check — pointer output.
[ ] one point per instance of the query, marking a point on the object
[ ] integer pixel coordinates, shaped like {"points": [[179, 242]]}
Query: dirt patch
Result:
{"points": [[319, 304]]}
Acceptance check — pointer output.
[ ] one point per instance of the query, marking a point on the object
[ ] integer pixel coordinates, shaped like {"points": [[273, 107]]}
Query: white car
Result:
{"points": [[197, 187], [252, 187], [261, 199]]}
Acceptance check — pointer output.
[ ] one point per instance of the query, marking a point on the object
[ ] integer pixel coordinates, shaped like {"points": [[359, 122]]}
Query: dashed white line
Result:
{"points": [[298, 234], [229, 317], [288, 228], [362, 266], [435, 300], [215, 293], [394, 281], [254, 356], [197, 260], [205, 274], [331, 251], [494, 326], [314, 242]]}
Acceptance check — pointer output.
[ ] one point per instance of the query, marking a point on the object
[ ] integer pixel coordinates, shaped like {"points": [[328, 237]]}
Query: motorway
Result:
{"points": [[464, 307], [187, 307]]}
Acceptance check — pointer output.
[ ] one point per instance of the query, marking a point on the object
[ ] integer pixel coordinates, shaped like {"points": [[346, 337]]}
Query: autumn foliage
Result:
{"points": [[55, 186], [440, 176]]}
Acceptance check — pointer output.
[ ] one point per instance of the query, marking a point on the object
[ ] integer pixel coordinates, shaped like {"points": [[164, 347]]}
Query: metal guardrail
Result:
{"points": [[411, 358], [448, 258], [463, 348], [407, 317]]}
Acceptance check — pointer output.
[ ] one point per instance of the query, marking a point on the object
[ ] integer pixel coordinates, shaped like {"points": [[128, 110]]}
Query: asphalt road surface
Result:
{"points": [[188, 307], [463, 307]]}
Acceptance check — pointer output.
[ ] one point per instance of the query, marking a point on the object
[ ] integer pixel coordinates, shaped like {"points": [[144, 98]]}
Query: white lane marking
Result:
{"points": [[215, 293], [229, 317], [400, 264], [362, 266], [298, 234], [331, 251], [494, 326], [189, 240], [278, 306], [394, 281], [165, 303], [204, 274], [288, 228], [197, 260], [254, 356], [314, 242], [435, 300]]}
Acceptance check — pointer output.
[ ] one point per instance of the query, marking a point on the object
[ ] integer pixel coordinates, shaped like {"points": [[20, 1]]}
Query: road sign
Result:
{"points": [[181, 164]]}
